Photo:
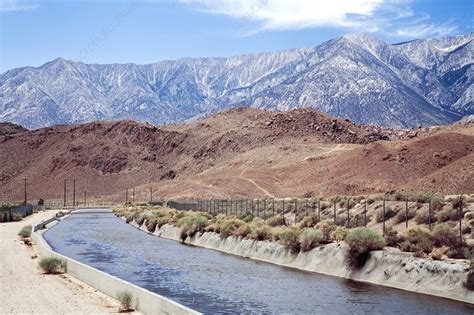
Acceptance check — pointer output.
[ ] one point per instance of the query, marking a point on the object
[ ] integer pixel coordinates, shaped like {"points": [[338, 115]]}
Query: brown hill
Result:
{"points": [[240, 152]]}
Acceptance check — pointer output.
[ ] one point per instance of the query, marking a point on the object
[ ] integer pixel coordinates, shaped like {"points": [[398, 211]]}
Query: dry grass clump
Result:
{"points": [[339, 234], [276, 221], [290, 238], [191, 225], [308, 221], [25, 231], [389, 213], [52, 265], [327, 227], [125, 298], [403, 215], [259, 231], [361, 241], [310, 238]]}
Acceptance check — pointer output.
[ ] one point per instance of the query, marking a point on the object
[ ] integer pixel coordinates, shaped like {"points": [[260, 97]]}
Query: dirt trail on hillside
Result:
{"points": [[24, 289], [266, 192]]}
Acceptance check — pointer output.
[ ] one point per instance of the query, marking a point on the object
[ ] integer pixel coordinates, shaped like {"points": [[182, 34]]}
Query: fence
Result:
{"points": [[15, 213], [345, 212]]}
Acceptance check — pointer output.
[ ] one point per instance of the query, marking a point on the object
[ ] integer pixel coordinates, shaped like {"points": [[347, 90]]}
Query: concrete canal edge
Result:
{"points": [[386, 268], [144, 301]]}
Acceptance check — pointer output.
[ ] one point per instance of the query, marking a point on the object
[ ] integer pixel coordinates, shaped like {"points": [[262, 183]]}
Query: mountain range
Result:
{"points": [[355, 76]]}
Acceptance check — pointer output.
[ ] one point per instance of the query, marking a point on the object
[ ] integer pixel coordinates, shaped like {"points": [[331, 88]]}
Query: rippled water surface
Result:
{"points": [[217, 283]]}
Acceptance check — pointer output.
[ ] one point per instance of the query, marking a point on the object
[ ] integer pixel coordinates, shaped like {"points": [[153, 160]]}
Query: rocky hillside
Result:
{"points": [[239, 152], [357, 76]]}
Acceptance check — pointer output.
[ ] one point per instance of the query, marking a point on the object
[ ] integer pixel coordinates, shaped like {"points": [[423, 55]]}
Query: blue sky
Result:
{"points": [[33, 32]]}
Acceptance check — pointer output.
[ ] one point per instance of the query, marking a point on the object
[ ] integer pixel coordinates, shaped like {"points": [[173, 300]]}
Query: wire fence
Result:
{"points": [[346, 212]]}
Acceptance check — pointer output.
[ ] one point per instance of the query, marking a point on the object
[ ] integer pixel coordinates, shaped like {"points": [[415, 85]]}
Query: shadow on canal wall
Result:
{"points": [[144, 301], [389, 268]]}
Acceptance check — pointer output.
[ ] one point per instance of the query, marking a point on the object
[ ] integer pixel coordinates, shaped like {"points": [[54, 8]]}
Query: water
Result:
{"points": [[216, 283]]}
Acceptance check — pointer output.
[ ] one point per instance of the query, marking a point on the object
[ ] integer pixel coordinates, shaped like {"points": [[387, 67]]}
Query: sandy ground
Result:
{"points": [[24, 289]]}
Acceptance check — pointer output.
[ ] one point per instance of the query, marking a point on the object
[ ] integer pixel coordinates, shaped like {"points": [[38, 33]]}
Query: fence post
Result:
{"points": [[283, 210], [335, 215], [296, 209], [251, 205], [348, 214], [406, 212], [365, 210], [265, 208], [273, 207], [306, 208], [460, 219], [429, 212], [383, 221], [319, 209], [258, 208]]}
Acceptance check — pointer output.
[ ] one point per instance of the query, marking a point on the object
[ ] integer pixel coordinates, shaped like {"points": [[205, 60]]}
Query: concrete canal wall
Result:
{"points": [[389, 268], [144, 301]]}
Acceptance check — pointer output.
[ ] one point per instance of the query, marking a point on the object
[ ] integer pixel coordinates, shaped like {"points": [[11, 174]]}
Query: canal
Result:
{"points": [[215, 283]]}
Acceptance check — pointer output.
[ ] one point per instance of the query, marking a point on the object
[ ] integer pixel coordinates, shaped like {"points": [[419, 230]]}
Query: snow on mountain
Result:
{"points": [[356, 76]]}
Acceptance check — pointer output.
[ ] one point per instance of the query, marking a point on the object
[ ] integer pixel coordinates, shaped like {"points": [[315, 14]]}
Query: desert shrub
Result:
{"points": [[125, 298], [259, 232], [247, 218], [402, 215], [310, 238], [361, 241], [228, 227], [423, 217], [151, 224], [339, 234], [398, 196], [357, 221], [308, 221], [290, 238], [446, 215], [242, 231], [437, 203], [140, 219], [389, 213], [391, 237], [422, 198], [327, 227], [417, 240], [463, 251], [466, 229], [469, 284], [52, 265], [444, 235], [341, 220], [25, 231], [276, 221], [191, 225], [437, 253], [370, 201], [456, 202]]}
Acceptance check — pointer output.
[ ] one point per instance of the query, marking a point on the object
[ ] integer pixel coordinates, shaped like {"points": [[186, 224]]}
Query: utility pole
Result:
{"points": [[25, 197]]}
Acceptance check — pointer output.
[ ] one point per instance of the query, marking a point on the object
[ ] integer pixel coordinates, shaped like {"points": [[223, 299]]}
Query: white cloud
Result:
{"points": [[17, 5], [426, 29], [393, 17]]}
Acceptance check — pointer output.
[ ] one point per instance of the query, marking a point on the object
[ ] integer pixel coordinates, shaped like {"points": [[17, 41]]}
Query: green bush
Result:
{"points": [[444, 235], [290, 238], [276, 221], [228, 227], [417, 240], [191, 225], [308, 221], [391, 237], [423, 218], [310, 238], [361, 241], [25, 231], [327, 227], [389, 213], [52, 265], [402, 215], [339, 234], [259, 232], [125, 298], [242, 231]]}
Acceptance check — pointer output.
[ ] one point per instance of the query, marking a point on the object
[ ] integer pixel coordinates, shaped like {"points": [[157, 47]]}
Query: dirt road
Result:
{"points": [[24, 289]]}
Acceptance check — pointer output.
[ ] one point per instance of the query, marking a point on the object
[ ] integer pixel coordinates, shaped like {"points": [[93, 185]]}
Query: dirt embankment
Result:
{"points": [[25, 289]]}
